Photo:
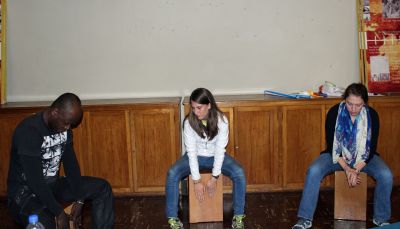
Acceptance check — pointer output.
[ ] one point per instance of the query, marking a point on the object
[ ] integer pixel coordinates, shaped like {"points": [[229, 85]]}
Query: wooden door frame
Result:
{"points": [[3, 63]]}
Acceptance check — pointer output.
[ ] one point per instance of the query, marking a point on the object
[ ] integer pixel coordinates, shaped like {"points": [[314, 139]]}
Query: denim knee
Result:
{"points": [[172, 173], [385, 176], [313, 171], [238, 172]]}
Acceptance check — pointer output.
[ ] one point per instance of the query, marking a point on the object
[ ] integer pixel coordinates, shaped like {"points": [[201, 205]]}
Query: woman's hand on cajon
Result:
{"points": [[211, 186], [199, 190]]}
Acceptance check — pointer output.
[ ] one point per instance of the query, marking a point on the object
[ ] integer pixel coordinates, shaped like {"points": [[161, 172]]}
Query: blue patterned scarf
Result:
{"points": [[352, 140]]}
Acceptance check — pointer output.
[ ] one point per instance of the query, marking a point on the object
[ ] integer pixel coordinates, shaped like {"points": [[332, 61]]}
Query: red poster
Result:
{"points": [[380, 27], [383, 61]]}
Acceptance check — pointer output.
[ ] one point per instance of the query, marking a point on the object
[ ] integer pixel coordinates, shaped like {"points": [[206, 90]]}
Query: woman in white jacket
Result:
{"points": [[206, 134]]}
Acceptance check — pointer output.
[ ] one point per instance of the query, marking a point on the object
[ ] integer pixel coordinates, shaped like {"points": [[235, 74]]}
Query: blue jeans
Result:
{"points": [[323, 166], [181, 169]]}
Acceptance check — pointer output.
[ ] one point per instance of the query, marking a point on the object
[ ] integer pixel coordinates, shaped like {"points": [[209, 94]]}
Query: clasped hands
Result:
{"points": [[353, 177], [210, 188], [352, 174]]}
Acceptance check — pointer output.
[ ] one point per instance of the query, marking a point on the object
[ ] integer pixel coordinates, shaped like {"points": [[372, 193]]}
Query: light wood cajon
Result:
{"points": [[211, 208], [67, 210], [350, 203]]}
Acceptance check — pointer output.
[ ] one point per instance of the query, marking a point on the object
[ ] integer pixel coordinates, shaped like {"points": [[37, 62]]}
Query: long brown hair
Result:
{"points": [[204, 96]]}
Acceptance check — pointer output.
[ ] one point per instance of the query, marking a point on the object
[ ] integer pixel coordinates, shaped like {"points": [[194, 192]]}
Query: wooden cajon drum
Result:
{"points": [[350, 203], [67, 210], [211, 208]]}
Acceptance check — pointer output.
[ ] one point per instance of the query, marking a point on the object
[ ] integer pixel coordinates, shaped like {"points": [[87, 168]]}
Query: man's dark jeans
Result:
{"points": [[97, 190]]}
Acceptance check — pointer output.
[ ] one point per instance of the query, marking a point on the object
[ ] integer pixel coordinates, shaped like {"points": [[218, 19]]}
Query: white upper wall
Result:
{"points": [[148, 48]]}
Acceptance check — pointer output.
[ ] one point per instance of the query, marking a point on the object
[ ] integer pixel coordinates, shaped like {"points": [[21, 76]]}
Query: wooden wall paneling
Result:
{"points": [[328, 181], [302, 139], [256, 131], [8, 122], [132, 143], [81, 145], [110, 148], [228, 111], [155, 140], [388, 143]]}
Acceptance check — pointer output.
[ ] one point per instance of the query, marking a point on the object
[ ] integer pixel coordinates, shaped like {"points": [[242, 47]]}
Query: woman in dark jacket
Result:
{"points": [[352, 129]]}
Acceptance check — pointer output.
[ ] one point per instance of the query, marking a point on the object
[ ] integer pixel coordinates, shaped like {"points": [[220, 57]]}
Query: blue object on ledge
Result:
{"points": [[293, 96]]}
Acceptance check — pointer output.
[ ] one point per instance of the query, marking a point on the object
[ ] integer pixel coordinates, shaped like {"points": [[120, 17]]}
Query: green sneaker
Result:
{"points": [[237, 221], [175, 223]]}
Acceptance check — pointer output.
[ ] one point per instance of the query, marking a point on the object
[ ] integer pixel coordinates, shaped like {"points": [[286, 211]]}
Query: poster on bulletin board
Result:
{"points": [[379, 41]]}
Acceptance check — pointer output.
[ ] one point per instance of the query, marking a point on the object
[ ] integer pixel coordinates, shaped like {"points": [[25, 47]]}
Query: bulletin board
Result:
{"points": [[379, 41]]}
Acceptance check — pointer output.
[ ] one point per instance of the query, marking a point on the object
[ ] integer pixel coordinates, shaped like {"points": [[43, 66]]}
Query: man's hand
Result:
{"points": [[211, 186], [62, 221], [76, 213], [199, 190]]}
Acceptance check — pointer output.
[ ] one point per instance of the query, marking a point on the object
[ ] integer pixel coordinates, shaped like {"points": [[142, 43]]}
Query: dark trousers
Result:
{"points": [[97, 190]]}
